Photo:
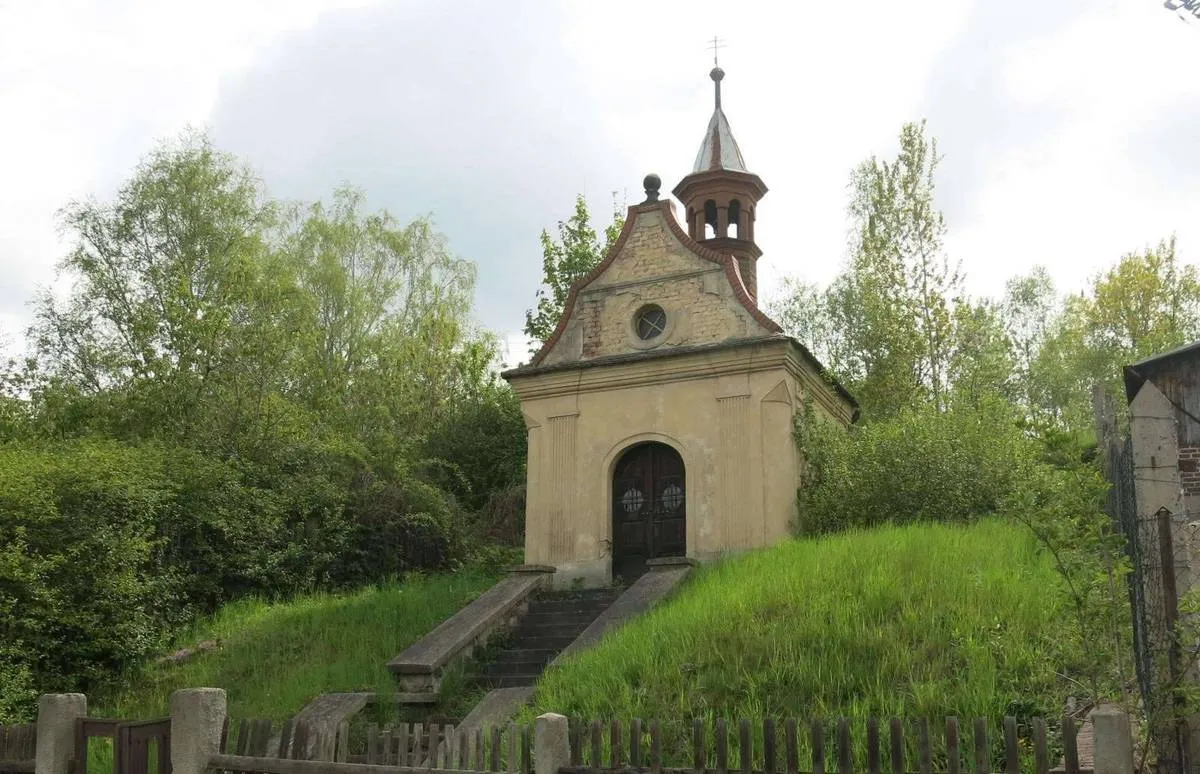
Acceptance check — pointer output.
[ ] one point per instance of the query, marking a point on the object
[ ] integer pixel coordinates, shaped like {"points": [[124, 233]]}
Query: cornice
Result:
{"points": [[727, 262], [728, 358]]}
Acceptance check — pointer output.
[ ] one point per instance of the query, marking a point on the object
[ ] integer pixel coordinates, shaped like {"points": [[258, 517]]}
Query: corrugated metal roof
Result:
{"points": [[719, 150], [1167, 355]]}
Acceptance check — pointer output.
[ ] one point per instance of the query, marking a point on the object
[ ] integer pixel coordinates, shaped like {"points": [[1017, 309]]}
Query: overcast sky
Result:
{"points": [[1069, 127]]}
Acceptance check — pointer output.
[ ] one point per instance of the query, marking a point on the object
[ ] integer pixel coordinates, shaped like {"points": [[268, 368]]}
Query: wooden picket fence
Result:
{"points": [[611, 747], [259, 747], [18, 747], [776, 748]]}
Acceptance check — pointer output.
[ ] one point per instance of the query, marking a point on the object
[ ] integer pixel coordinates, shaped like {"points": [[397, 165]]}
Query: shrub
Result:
{"points": [[923, 465], [480, 445], [107, 548], [80, 591], [399, 524]]}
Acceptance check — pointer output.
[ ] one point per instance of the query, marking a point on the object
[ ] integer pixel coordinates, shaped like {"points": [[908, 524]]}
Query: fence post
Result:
{"points": [[56, 730], [1113, 752], [551, 744], [197, 715]]}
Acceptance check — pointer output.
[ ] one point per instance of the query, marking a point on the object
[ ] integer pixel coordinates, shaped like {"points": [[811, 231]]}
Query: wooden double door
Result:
{"points": [[649, 507]]}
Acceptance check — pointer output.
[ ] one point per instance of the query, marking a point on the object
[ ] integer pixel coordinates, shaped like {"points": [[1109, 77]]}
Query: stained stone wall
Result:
{"points": [[652, 265], [720, 385]]}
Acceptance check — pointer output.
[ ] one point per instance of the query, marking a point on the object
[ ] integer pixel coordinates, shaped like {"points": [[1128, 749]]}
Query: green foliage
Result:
{"points": [[916, 621], [922, 465], [1148, 303], [1061, 505], [885, 326], [481, 444], [79, 593], [236, 397], [564, 261], [274, 657], [107, 548]]}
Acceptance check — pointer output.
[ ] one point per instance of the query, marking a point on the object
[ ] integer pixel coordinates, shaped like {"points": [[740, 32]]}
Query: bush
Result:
{"points": [[81, 591], [480, 447], [923, 465], [398, 525], [107, 548]]}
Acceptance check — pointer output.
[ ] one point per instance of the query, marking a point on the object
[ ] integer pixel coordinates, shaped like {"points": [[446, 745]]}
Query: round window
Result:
{"points": [[651, 321]]}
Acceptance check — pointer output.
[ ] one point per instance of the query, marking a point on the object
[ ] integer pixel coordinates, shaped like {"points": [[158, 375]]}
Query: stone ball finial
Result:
{"points": [[717, 74], [652, 183]]}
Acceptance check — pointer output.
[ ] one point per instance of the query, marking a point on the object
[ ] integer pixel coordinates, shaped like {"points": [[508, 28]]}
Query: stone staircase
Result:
{"points": [[553, 622]]}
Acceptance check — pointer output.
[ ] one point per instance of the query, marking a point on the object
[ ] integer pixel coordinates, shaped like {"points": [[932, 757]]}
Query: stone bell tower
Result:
{"points": [[721, 196]]}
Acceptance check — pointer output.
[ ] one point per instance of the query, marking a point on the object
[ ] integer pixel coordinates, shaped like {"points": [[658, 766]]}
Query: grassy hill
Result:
{"points": [[275, 657], [920, 621]]}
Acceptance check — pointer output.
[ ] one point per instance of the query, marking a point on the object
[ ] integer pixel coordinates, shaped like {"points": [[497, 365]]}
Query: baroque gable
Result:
{"points": [[654, 264]]}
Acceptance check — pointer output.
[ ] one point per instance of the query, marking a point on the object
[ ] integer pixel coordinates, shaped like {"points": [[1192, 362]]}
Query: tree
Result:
{"points": [[564, 261], [165, 282], [981, 365], [900, 234], [386, 340], [1146, 304], [1030, 310], [204, 312], [887, 322], [802, 309]]}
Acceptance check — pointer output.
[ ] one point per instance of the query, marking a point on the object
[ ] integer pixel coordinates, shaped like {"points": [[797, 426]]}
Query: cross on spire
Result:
{"points": [[716, 45]]}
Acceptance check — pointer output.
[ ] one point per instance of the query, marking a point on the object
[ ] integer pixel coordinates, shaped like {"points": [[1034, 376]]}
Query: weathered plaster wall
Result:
{"points": [[728, 414], [720, 385], [1159, 467], [652, 265]]}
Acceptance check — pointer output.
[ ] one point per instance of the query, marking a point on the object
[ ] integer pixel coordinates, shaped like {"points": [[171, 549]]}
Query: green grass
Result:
{"points": [[275, 657], [914, 621]]}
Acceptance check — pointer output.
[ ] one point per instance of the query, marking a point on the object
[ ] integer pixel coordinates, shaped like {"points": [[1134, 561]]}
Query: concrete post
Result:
{"points": [[197, 716], [56, 730], [552, 744], [1113, 741]]}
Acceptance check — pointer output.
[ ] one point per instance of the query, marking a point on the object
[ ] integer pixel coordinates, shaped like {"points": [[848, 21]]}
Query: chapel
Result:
{"points": [[661, 410]]}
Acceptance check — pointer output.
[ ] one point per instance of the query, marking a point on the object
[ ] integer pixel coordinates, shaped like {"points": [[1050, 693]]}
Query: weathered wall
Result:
{"points": [[729, 415], [1170, 559], [720, 385], [651, 264]]}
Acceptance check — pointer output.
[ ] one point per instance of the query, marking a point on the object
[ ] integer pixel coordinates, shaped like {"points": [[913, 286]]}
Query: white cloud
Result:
{"points": [[1077, 198], [1066, 143], [87, 86]]}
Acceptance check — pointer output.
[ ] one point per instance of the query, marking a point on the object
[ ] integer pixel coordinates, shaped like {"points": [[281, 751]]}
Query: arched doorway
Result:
{"points": [[649, 507]]}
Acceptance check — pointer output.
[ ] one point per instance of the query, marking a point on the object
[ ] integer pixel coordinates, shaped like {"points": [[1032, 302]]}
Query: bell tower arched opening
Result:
{"points": [[721, 195]]}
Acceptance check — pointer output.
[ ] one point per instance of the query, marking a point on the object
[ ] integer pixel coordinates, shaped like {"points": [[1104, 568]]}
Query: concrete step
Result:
{"points": [[526, 654], [567, 609], [543, 643], [524, 632], [580, 593], [574, 618], [497, 668], [567, 606], [508, 681]]}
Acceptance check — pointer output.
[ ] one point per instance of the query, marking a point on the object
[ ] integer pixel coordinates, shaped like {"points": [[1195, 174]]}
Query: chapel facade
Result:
{"points": [[660, 411]]}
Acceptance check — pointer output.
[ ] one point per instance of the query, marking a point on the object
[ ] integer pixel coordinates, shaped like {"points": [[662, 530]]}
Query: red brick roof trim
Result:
{"points": [[731, 271], [726, 261]]}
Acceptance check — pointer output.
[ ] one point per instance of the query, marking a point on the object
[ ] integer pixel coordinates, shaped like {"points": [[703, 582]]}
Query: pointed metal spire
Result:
{"points": [[719, 150]]}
